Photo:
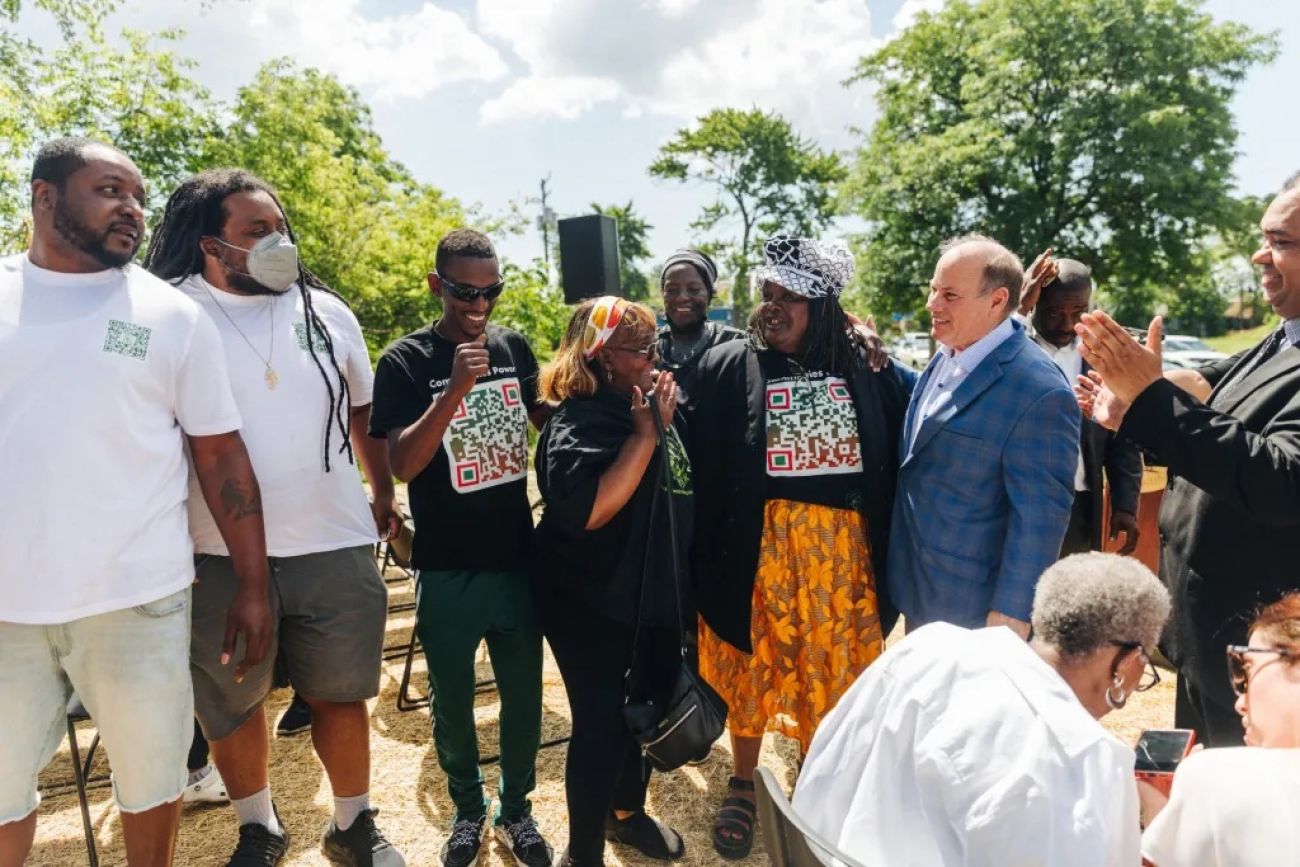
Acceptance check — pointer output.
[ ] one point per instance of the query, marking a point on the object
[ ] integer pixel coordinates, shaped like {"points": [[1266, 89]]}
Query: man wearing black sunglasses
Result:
{"points": [[454, 401]]}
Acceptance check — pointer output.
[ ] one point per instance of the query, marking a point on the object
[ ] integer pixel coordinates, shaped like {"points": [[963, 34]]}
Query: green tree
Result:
{"points": [[633, 247], [768, 179], [138, 96], [1099, 127]]}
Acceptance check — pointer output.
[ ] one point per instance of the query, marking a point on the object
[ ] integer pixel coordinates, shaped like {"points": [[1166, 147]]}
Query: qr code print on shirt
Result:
{"points": [[300, 332], [812, 427], [126, 338], [487, 440]]}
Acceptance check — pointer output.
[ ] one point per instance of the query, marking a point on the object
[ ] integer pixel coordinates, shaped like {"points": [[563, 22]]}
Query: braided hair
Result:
{"points": [[197, 210], [828, 342]]}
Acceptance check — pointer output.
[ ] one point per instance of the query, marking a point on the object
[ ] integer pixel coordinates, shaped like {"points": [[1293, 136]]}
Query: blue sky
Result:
{"points": [[485, 97]]}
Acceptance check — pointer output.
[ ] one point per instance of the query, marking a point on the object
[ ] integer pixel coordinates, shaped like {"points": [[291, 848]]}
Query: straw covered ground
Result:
{"points": [[410, 790]]}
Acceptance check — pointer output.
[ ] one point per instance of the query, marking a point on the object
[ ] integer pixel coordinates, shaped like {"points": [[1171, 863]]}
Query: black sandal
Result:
{"points": [[733, 830]]}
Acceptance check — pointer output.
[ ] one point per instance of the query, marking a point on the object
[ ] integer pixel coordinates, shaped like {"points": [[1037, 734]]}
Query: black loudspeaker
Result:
{"points": [[589, 257]]}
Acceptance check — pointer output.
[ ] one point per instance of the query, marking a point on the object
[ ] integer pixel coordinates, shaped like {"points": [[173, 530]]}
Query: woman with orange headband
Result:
{"points": [[599, 538]]}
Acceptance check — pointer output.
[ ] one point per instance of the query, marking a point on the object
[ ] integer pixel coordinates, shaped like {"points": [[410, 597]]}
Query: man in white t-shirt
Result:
{"points": [[106, 373], [301, 376]]}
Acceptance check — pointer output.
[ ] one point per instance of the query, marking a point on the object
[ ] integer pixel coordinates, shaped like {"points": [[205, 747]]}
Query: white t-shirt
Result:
{"points": [[1230, 807], [1068, 359], [99, 376], [306, 509], [962, 747]]}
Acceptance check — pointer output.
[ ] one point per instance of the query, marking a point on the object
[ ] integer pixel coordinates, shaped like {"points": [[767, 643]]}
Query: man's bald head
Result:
{"points": [[999, 267]]}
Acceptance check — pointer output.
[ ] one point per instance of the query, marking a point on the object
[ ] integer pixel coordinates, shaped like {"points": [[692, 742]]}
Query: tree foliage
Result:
{"points": [[1099, 127], [633, 247], [768, 179]]}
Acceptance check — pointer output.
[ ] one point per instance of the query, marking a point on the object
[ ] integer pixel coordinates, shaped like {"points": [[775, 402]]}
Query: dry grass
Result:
{"points": [[411, 792]]}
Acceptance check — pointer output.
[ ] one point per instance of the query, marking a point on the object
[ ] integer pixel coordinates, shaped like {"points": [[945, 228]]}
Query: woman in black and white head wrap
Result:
{"points": [[687, 282]]}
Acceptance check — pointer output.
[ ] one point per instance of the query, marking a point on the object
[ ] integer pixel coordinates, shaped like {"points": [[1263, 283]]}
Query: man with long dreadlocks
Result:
{"points": [[301, 376]]}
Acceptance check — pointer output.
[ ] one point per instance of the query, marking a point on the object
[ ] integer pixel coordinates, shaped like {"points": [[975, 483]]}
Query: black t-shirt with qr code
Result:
{"points": [[470, 504]]}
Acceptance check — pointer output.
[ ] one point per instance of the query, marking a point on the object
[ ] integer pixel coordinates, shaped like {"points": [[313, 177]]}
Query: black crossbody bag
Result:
{"points": [[694, 717]]}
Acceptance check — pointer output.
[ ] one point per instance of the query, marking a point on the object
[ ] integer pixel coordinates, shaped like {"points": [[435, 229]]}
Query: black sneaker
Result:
{"points": [[462, 847], [296, 718], [361, 845], [525, 842], [648, 836], [258, 846]]}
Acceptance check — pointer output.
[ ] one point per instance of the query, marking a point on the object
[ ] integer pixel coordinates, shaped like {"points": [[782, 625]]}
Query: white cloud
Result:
{"points": [[399, 56], [681, 58], [540, 96]]}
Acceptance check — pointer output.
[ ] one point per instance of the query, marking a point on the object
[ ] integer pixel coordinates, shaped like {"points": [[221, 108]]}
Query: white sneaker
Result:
{"points": [[208, 789]]}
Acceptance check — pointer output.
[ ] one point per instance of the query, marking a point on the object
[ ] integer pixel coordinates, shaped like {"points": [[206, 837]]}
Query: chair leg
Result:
{"points": [[79, 775], [404, 700]]}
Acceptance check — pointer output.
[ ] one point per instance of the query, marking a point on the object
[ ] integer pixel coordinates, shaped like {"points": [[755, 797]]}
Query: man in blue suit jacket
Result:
{"points": [[989, 453]]}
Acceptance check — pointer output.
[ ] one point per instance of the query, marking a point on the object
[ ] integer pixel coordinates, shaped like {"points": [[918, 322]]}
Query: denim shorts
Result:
{"points": [[130, 668]]}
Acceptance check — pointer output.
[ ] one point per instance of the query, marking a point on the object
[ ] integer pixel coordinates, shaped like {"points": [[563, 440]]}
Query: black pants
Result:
{"points": [[198, 750], [604, 769], [1079, 532], [1215, 725]]}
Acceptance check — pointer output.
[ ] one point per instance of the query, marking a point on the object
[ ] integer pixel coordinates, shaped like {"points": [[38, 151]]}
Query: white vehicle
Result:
{"points": [[1181, 350], [913, 349]]}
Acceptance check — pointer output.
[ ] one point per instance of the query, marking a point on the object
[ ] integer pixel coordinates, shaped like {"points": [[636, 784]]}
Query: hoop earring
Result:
{"points": [[1117, 686]]}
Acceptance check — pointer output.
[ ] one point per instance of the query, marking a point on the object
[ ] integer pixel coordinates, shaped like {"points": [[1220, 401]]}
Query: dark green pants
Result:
{"points": [[455, 611]]}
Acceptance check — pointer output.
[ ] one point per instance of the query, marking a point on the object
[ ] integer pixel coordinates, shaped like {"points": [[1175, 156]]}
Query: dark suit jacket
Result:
{"points": [[1230, 520], [728, 444], [1121, 462]]}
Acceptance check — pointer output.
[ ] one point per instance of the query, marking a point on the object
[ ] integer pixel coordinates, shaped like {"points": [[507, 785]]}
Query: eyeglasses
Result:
{"points": [[1150, 675], [465, 292], [650, 351], [1239, 671]]}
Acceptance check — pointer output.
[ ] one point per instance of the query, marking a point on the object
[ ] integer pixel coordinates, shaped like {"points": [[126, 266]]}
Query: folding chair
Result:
{"points": [[81, 772], [788, 839]]}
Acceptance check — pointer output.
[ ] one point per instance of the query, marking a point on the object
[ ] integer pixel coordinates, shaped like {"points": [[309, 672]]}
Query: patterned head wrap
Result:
{"points": [[605, 315], [806, 266], [700, 261]]}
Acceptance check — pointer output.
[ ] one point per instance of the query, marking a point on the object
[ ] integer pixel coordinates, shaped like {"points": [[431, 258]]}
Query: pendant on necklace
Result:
{"points": [[272, 378]]}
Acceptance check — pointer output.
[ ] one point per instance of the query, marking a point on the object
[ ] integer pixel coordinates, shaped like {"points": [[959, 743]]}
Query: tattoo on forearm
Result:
{"points": [[238, 501]]}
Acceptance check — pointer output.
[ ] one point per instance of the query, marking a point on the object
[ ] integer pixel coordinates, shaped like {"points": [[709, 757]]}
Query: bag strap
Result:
{"points": [[664, 484]]}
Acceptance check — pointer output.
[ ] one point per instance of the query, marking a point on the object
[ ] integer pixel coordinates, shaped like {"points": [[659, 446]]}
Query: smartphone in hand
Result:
{"points": [[1159, 752]]}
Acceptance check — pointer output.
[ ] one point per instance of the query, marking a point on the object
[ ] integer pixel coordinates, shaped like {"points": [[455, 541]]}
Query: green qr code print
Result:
{"points": [[317, 339], [127, 338], [487, 440], [812, 427]]}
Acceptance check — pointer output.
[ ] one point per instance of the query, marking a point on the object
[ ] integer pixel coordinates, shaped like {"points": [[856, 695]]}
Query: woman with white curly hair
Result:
{"points": [[973, 747]]}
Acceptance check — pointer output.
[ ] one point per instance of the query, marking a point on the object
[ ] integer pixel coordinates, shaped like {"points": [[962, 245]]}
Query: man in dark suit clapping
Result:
{"points": [[1230, 435]]}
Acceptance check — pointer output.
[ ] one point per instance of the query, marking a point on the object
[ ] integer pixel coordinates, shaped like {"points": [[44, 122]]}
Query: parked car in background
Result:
{"points": [[912, 349], [1181, 350]]}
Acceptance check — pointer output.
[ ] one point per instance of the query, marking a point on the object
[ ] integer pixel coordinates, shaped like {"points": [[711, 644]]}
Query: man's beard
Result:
{"points": [[70, 227]]}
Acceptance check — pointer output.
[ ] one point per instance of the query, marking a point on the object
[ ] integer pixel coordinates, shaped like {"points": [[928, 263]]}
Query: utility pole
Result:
{"points": [[544, 222]]}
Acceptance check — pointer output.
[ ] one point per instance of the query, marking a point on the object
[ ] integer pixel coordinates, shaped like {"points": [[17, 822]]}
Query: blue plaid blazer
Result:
{"points": [[985, 490]]}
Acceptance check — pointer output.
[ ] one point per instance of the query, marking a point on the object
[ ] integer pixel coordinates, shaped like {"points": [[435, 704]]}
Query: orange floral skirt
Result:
{"points": [[815, 625]]}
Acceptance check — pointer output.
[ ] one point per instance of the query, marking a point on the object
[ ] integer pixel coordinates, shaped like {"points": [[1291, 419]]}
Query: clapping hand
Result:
{"points": [[1042, 271], [1127, 367]]}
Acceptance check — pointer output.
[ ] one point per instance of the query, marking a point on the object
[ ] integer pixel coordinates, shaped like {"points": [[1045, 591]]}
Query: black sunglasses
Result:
{"points": [[1239, 672], [467, 293]]}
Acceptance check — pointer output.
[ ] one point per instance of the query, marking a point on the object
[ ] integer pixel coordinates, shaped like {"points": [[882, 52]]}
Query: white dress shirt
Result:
{"points": [[1067, 358], [951, 367], [1230, 807], [963, 747]]}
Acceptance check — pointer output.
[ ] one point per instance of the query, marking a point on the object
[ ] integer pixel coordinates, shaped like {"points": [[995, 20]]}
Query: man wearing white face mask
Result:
{"points": [[300, 373]]}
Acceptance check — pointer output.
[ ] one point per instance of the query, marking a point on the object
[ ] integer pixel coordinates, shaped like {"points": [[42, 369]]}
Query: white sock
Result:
{"points": [[256, 809], [346, 810]]}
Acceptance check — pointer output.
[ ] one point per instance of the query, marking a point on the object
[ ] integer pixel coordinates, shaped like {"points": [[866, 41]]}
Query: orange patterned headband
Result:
{"points": [[601, 323]]}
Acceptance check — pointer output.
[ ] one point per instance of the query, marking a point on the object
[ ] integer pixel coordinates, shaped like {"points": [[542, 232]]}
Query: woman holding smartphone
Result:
{"points": [[604, 560], [1240, 806]]}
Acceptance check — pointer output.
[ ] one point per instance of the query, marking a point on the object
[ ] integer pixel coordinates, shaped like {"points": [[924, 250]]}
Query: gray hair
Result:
{"points": [[1087, 601]]}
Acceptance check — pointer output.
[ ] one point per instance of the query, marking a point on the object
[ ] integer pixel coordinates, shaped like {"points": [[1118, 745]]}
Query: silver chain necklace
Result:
{"points": [[271, 378]]}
